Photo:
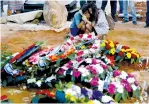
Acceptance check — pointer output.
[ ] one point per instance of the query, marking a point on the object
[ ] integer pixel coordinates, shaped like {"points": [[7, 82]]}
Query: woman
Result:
{"points": [[101, 26], [80, 21]]}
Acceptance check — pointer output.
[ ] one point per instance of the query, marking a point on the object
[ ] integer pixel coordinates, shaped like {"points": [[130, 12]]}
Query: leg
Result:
{"points": [[147, 14], [113, 9], [103, 6], [121, 6], [89, 27], [133, 10], [125, 10]]}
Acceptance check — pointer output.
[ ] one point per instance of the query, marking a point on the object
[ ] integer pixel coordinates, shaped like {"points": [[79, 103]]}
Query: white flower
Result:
{"points": [[50, 78], [33, 80], [86, 52], [77, 89], [99, 68], [97, 102], [134, 87], [92, 50], [88, 60], [106, 99], [131, 80], [90, 93], [120, 88], [123, 75], [30, 68], [38, 83], [84, 71], [100, 85]]}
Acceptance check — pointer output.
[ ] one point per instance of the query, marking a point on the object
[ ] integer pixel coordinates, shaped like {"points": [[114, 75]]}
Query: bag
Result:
{"points": [[110, 21]]}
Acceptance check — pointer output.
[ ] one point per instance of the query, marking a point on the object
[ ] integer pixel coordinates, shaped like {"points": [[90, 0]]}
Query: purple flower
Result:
{"points": [[130, 75], [97, 94], [116, 73], [94, 82], [61, 71], [76, 74], [84, 91], [104, 66], [111, 88]]}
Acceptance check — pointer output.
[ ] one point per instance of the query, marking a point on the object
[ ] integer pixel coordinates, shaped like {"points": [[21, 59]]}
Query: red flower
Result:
{"points": [[108, 46], [111, 58], [21, 73], [133, 56], [125, 47], [46, 92], [115, 42], [121, 53], [4, 97], [61, 71]]}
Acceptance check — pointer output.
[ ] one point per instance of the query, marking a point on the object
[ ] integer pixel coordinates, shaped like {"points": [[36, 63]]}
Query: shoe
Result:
{"points": [[125, 21], [146, 26], [134, 22]]}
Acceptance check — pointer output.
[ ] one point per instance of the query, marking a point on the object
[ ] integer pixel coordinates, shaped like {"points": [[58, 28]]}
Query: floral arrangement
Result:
{"points": [[84, 60], [119, 52]]}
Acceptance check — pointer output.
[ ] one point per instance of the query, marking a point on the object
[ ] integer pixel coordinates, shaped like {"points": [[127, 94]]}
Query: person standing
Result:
{"points": [[147, 15], [131, 4], [113, 4], [121, 6]]}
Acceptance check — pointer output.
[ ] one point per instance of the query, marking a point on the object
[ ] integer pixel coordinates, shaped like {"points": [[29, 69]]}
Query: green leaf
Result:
{"points": [[115, 67], [4, 83], [58, 62], [110, 68], [118, 97], [72, 78], [106, 52], [72, 56], [124, 95], [132, 60], [136, 93], [117, 58]]}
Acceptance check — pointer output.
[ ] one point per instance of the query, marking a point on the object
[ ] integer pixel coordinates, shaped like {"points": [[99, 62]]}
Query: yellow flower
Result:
{"points": [[112, 51], [68, 95], [102, 44], [111, 44], [90, 102], [105, 41], [72, 98], [128, 55], [83, 47], [82, 100], [123, 50], [27, 63]]}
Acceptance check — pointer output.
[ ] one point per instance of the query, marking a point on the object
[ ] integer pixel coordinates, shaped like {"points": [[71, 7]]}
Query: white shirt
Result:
{"points": [[102, 26]]}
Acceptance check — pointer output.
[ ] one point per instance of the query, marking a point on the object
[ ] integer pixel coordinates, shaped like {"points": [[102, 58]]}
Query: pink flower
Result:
{"points": [[72, 38], [76, 74], [94, 61], [94, 82], [34, 59], [61, 71], [89, 36], [79, 59], [136, 83], [126, 85], [80, 53], [111, 88], [81, 35], [130, 75], [95, 47], [116, 73], [104, 66]]}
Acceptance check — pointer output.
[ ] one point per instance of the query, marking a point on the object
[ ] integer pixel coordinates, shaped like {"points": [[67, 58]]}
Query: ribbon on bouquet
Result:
{"points": [[107, 80]]}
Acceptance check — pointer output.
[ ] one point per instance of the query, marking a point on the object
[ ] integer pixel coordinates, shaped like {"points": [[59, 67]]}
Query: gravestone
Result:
{"points": [[55, 14]]}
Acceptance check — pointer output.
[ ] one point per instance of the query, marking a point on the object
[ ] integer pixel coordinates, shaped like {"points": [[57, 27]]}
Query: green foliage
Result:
{"points": [[118, 96]]}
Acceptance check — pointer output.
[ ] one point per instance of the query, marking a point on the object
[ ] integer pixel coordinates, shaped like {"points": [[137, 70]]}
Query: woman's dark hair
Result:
{"points": [[94, 15], [85, 8]]}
